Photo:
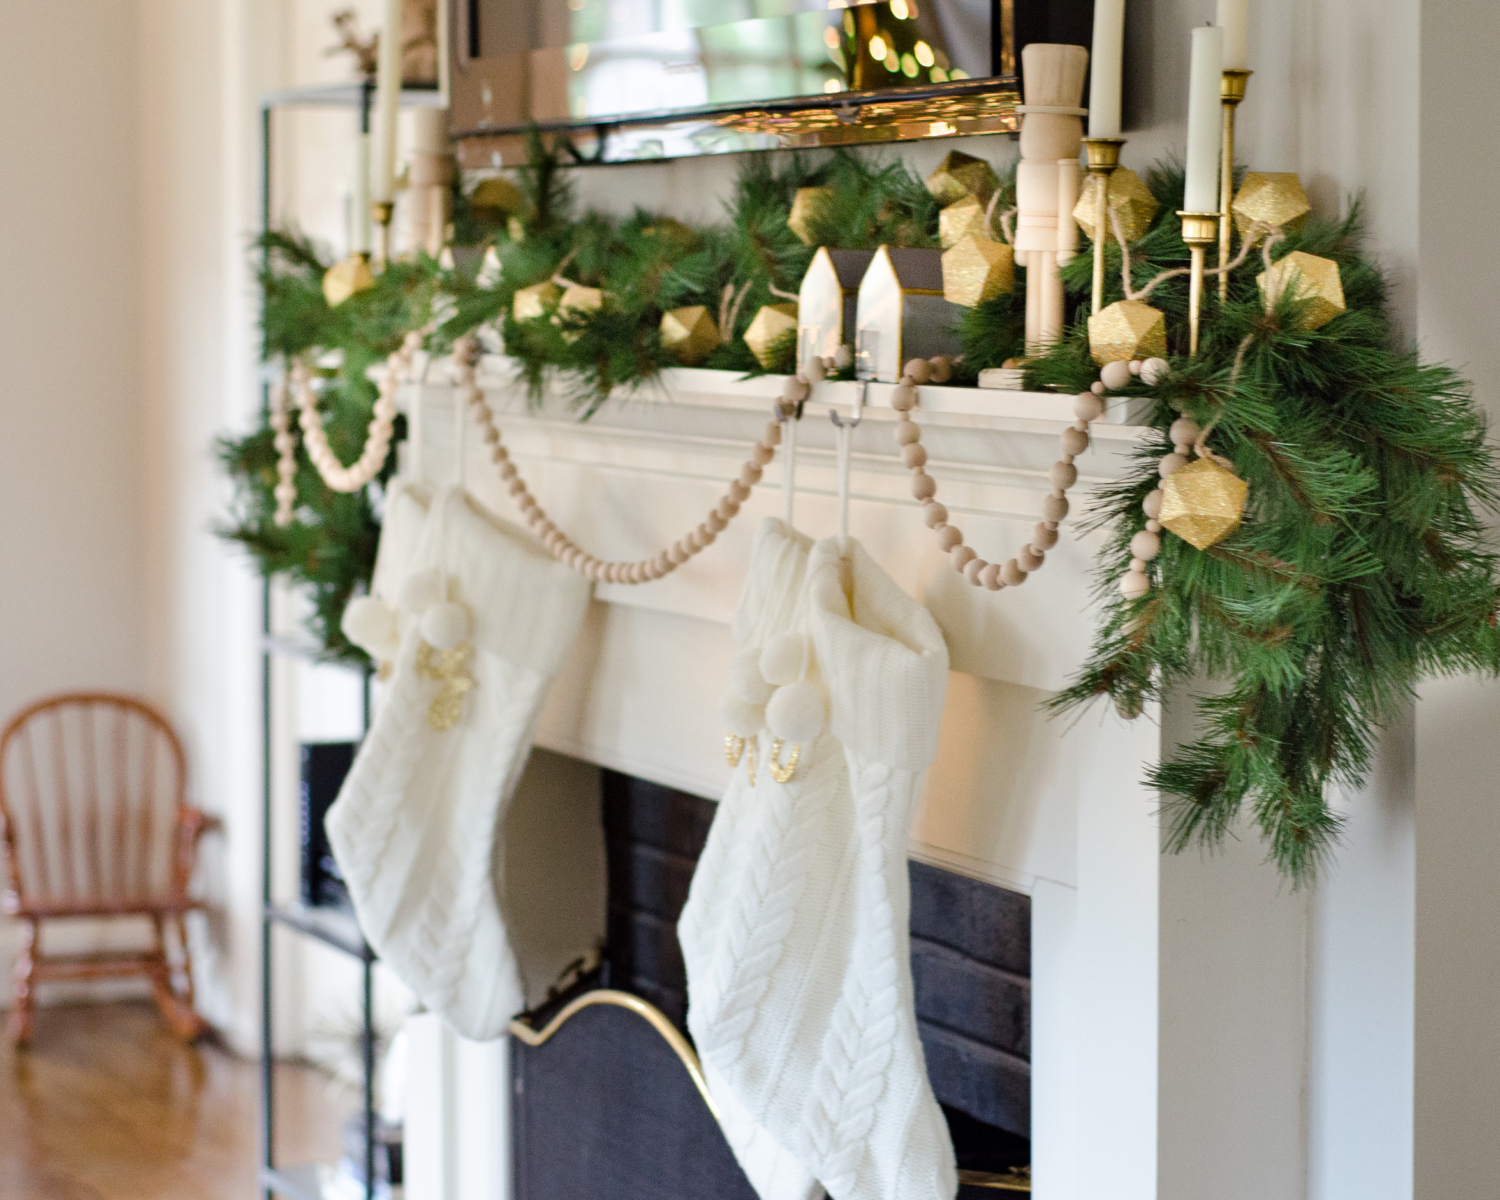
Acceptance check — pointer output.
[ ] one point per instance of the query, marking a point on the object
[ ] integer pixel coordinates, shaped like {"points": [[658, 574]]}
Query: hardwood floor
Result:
{"points": [[107, 1105]]}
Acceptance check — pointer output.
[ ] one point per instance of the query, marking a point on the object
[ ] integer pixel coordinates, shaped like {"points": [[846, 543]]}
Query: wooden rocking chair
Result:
{"points": [[95, 824]]}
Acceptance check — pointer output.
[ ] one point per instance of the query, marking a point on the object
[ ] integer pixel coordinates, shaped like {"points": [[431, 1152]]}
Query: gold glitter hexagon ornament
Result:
{"points": [[959, 220], [577, 300], [1128, 329], [772, 323], [960, 176], [1203, 503], [1313, 279], [977, 269], [805, 206], [497, 197], [345, 278], [1131, 199], [1273, 198], [532, 302], [689, 334]]}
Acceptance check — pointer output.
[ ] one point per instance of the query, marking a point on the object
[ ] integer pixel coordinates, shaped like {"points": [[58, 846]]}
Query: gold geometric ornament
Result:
{"points": [[1273, 198], [689, 334], [962, 175], [805, 206], [1131, 200], [1128, 329], [532, 302], [977, 269], [1203, 503], [497, 197], [345, 278], [772, 323], [959, 219], [1313, 279]]}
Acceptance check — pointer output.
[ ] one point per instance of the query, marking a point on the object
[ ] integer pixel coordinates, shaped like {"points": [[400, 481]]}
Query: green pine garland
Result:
{"points": [[1361, 564]]}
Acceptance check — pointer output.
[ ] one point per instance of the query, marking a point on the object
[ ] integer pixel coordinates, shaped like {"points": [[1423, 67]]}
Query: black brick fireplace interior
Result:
{"points": [[613, 1114]]}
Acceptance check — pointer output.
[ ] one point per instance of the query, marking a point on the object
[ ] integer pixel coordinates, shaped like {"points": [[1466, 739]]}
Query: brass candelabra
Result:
{"points": [[1103, 160], [1231, 93], [1199, 231], [380, 213]]}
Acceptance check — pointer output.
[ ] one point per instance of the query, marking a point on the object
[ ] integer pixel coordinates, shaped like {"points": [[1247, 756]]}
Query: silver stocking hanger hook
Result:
{"points": [[856, 414]]}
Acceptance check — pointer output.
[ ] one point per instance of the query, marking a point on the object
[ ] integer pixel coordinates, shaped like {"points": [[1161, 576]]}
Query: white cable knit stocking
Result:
{"points": [[795, 931], [414, 827]]}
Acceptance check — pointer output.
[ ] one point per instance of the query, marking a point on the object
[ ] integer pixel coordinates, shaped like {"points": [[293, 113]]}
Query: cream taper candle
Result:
{"points": [[359, 233], [1234, 19], [1201, 194], [387, 104], [1105, 66]]}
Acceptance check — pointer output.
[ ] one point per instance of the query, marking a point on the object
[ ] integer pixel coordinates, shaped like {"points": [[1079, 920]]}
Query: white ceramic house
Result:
{"points": [[902, 313], [827, 301]]}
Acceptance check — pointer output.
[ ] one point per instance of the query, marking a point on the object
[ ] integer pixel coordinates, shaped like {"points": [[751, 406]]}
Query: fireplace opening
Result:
{"points": [[610, 1111]]}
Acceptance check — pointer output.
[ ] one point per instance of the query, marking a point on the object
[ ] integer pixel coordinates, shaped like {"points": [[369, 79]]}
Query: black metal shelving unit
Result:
{"points": [[332, 927]]}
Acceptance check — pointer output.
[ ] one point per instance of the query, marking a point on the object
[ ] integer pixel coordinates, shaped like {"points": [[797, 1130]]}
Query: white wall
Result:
{"points": [[73, 536]]}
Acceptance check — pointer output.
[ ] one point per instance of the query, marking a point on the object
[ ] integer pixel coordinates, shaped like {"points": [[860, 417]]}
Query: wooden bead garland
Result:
{"points": [[381, 429], [1087, 407], [558, 544], [286, 454]]}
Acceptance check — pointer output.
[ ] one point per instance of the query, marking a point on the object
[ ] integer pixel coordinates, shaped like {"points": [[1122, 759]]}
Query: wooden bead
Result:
{"points": [[1151, 505], [715, 523], [1135, 366], [1030, 558], [990, 577], [750, 475], [1064, 475], [1145, 545], [1154, 370], [913, 456], [843, 358], [772, 435], [705, 535], [490, 434], [1044, 536], [939, 370], [728, 508], [1154, 525], [1054, 508], [917, 370], [1134, 585], [679, 553], [636, 573], [761, 454], [1170, 464], [507, 470], [795, 389], [815, 370], [1097, 387], [1115, 375], [934, 514], [693, 542], [960, 557], [903, 397], [738, 492], [1184, 432], [907, 433], [950, 536], [1087, 406], [972, 570], [1011, 574], [1073, 441], [517, 487], [1138, 564], [923, 486]]}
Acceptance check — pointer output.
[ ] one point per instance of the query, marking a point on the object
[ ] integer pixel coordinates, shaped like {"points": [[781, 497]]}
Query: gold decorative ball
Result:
{"points": [[1313, 279], [960, 176], [977, 269], [770, 325], [1203, 503], [1131, 199], [1273, 198], [805, 206], [345, 278], [1128, 329], [689, 334], [532, 302], [497, 197], [960, 219]]}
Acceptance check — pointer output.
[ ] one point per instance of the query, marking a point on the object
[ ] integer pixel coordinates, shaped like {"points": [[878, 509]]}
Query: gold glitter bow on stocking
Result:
{"points": [[449, 668]]}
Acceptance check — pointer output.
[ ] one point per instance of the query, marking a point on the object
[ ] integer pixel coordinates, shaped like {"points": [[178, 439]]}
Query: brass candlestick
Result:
{"points": [[380, 212], [1231, 92], [1103, 160], [1199, 231]]}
